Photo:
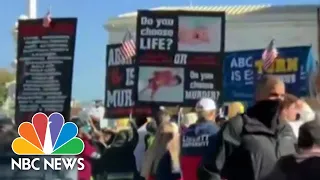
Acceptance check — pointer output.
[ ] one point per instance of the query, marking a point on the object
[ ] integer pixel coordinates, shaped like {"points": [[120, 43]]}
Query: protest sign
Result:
{"points": [[318, 26], [243, 68], [179, 56], [45, 67], [119, 101]]}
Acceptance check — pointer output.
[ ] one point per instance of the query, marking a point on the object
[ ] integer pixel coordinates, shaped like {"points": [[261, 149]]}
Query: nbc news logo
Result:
{"points": [[48, 136]]}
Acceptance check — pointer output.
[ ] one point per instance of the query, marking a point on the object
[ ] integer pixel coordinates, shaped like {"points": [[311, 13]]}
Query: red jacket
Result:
{"points": [[87, 153]]}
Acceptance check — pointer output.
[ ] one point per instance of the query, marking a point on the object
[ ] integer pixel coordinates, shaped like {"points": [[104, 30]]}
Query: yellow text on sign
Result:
{"points": [[280, 65]]}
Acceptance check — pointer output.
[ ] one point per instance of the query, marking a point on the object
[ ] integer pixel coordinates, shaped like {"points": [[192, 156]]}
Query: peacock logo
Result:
{"points": [[48, 136]]}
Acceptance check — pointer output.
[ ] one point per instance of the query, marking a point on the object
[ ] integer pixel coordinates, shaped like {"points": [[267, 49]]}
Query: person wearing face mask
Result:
{"points": [[249, 145]]}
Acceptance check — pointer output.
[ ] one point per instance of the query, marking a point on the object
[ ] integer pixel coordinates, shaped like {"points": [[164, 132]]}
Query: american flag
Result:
{"points": [[269, 55], [47, 20], [128, 48]]}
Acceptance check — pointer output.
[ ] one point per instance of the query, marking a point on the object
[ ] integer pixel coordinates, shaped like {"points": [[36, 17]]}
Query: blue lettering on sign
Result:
{"points": [[241, 69]]}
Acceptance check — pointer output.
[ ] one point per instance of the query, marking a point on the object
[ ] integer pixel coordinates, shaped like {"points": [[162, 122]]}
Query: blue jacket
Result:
{"points": [[197, 140]]}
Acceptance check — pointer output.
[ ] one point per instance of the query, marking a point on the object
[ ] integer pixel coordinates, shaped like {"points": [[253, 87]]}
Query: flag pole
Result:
{"points": [[50, 9], [318, 23], [130, 115], [190, 3]]}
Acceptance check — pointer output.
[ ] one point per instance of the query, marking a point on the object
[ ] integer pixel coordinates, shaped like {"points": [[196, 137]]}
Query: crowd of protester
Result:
{"points": [[277, 138]]}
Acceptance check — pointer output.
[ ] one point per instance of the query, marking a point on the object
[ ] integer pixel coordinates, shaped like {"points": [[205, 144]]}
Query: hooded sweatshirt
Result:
{"points": [[249, 145]]}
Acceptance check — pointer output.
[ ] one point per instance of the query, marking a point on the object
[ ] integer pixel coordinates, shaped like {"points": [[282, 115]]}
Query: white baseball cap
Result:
{"points": [[206, 104]]}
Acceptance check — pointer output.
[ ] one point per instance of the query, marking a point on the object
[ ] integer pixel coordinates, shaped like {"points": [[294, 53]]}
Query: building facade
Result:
{"points": [[247, 27]]}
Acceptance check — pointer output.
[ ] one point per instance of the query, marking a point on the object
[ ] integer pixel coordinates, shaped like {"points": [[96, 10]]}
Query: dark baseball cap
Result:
{"points": [[309, 134]]}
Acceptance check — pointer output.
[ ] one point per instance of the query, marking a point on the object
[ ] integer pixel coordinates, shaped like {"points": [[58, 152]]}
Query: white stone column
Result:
{"points": [[31, 12], [32, 9]]}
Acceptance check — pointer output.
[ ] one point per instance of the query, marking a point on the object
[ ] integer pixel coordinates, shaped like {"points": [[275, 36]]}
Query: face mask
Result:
{"points": [[266, 109], [270, 102]]}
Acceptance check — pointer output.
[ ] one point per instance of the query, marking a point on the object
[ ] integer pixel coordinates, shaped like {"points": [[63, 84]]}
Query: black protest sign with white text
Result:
{"points": [[45, 67], [179, 57], [203, 82], [119, 101], [156, 33]]}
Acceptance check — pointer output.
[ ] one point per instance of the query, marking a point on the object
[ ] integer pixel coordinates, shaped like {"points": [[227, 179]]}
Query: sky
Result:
{"points": [[89, 66]]}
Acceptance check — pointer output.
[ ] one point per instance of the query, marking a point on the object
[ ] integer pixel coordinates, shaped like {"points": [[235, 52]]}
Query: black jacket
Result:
{"points": [[249, 145], [118, 159], [166, 171], [293, 167]]}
